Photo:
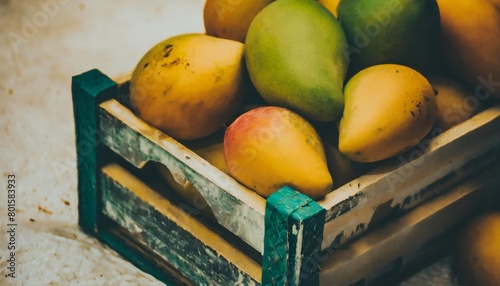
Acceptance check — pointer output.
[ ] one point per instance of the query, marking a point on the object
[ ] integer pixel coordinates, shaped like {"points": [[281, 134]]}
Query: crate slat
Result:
{"points": [[404, 236], [197, 252]]}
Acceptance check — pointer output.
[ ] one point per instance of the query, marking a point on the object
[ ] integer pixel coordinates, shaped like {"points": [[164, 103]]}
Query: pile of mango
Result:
{"points": [[310, 94], [307, 92]]}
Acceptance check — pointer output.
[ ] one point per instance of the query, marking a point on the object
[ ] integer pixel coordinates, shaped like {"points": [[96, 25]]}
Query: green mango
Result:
{"points": [[297, 57], [390, 31]]}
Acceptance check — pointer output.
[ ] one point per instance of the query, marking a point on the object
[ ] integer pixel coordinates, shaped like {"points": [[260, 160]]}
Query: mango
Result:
{"points": [[477, 250], [455, 102], [230, 19], [331, 5], [390, 31], [342, 169], [270, 147], [189, 85], [470, 43], [297, 57], [388, 109]]}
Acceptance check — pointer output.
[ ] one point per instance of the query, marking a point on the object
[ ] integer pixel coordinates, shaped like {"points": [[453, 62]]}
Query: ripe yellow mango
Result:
{"points": [[470, 43], [189, 85], [230, 19], [270, 147], [388, 109]]}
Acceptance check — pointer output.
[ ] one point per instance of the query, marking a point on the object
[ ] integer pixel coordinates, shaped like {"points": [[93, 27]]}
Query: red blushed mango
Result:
{"points": [[271, 147]]}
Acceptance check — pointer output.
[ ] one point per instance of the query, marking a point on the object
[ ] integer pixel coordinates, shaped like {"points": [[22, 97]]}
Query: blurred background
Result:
{"points": [[43, 44]]}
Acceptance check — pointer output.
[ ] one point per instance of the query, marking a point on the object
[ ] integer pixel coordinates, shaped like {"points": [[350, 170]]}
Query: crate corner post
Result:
{"points": [[294, 225], [89, 89]]}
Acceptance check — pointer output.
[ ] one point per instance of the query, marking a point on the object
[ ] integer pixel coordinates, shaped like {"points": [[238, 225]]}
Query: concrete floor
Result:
{"points": [[42, 45]]}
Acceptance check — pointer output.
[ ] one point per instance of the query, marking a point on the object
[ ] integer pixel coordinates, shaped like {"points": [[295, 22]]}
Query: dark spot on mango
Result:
{"points": [[397, 71], [412, 114], [168, 50], [436, 92], [146, 64]]}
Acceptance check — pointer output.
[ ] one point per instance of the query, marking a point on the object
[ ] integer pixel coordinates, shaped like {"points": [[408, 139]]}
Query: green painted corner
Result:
{"points": [[89, 89], [92, 83], [294, 226]]}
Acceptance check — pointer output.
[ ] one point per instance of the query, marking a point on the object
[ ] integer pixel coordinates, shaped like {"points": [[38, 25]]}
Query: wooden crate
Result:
{"points": [[371, 229]]}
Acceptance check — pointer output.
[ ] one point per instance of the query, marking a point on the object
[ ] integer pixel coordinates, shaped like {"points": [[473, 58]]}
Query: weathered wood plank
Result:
{"points": [[403, 183], [235, 207], [118, 239], [88, 91], [406, 236], [294, 227], [196, 251]]}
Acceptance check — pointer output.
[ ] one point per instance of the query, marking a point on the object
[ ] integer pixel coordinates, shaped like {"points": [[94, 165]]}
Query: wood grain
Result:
{"points": [[408, 236], [196, 251]]}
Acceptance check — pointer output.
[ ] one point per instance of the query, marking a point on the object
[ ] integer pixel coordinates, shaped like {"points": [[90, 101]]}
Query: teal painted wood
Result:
{"points": [[89, 90], [141, 259], [293, 234], [190, 256]]}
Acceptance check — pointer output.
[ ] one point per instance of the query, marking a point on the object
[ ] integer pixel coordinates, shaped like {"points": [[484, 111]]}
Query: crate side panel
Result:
{"points": [[376, 250], [196, 259], [347, 227]]}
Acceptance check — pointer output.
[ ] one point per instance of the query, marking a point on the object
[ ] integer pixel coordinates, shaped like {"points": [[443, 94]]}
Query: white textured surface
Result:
{"points": [[37, 130]]}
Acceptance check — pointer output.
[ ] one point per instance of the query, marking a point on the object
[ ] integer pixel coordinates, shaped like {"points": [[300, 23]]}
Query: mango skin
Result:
{"points": [[390, 31], [270, 147], [388, 109], [455, 102], [189, 85], [476, 255], [331, 5], [230, 19], [297, 57], [470, 43]]}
